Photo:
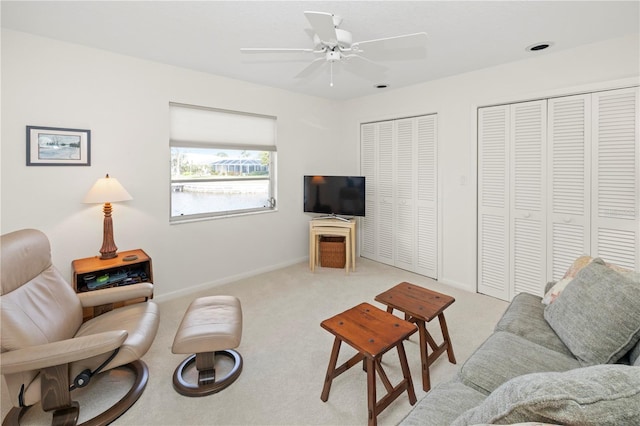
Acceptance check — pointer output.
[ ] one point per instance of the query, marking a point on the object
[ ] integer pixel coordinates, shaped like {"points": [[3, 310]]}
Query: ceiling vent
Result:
{"points": [[539, 46]]}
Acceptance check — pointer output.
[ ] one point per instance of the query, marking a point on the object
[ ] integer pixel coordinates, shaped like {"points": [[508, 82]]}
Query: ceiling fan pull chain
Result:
{"points": [[331, 82]]}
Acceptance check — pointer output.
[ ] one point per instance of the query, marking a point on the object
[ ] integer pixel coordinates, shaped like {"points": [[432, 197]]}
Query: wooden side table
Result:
{"points": [[314, 240], [419, 305], [319, 227], [89, 269], [371, 332]]}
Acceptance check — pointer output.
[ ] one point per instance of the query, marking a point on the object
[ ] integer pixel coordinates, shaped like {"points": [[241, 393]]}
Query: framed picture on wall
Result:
{"points": [[54, 146]]}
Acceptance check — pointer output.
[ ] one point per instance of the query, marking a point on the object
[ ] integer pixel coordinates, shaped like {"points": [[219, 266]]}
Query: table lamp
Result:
{"points": [[107, 190]]}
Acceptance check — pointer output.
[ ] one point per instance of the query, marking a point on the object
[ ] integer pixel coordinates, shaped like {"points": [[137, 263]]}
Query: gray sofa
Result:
{"points": [[575, 361]]}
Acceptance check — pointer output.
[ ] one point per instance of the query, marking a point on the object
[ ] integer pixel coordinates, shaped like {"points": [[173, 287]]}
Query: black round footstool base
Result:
{"points": [[189, 389]]}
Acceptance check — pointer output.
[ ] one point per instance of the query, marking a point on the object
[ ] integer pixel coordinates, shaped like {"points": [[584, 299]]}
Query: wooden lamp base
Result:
{"points": [[108, 249]]}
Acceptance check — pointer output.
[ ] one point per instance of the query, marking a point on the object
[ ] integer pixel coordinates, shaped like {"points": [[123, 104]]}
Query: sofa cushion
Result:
{"points": [[634, 355], [525, 317], [598, 395], [443, 404], [598, 314], [504, 356]]}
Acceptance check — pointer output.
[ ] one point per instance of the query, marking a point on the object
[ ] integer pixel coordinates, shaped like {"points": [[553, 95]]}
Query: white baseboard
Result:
{"points": [[462, 286], [226, 280]]}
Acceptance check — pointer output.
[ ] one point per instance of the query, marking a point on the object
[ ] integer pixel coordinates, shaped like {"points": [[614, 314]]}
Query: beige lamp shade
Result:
{"points": [[107, 190]]}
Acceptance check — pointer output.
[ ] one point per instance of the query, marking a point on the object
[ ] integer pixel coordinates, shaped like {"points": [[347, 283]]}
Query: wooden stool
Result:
{"points": [[419, 305], [372, 332], [211, 326]]}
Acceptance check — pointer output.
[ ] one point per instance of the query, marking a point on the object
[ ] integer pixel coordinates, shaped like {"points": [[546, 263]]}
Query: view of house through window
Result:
{"points": [[215, 181], [218, 177]]}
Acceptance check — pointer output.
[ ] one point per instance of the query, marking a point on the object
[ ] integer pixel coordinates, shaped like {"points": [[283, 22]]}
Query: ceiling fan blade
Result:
{"points": [[363, 67], [323, 25], [309, 32], [312, 68], [405, 47], [272, 50]]}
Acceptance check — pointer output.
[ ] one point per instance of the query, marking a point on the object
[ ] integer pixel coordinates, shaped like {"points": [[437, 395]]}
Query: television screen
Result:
{"points": [[334, 195]]}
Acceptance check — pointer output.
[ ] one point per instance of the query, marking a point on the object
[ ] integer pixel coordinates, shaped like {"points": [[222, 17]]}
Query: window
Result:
{"points": [[222, 162]]}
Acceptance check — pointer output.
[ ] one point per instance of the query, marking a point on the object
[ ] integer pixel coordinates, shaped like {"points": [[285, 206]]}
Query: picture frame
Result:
{"points": [[56, 146]]}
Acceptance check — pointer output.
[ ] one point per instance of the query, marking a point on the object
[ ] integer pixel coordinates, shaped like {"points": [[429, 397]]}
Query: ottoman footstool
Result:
{"points": [[212, 326]]}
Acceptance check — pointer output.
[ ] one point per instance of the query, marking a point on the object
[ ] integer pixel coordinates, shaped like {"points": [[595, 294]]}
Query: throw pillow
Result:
{"points": [[598, 395], [577, 265], [554, 292], [598, 315]]}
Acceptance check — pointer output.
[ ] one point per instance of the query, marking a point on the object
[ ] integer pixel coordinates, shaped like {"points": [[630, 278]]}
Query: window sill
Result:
{"points": [[178, 221]]}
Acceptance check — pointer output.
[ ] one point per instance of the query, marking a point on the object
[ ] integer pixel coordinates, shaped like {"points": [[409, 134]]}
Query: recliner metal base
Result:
{"points": [[206, 373], [68, 416]]}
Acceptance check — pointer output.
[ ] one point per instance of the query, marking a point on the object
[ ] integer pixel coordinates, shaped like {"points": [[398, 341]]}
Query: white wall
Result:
{"points": [[124, 102], [455, 99]]}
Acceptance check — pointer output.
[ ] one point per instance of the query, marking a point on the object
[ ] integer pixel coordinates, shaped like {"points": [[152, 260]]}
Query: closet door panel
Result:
{"points": [[528, 273], [569, 155], [567, 243], [404, 193], [368, 134], [385, 185], [427, 196], [404, 236], [617, 246], [493, 201], [399, 161], [528, 197], [616, 192]]}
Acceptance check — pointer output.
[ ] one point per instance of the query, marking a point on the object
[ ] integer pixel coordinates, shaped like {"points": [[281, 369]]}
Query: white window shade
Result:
{"points": [[197, 126]]}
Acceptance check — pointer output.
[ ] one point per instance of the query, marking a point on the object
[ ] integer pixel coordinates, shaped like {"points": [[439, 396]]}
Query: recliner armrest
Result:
{"points": [[115, 294], [60, 352]]}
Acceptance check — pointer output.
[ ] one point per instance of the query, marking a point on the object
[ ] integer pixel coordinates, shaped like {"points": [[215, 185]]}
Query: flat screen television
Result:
{"points": [[334, 195]]}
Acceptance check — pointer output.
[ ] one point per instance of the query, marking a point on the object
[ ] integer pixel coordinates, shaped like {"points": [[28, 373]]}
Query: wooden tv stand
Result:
{"points": [[318, 226]]}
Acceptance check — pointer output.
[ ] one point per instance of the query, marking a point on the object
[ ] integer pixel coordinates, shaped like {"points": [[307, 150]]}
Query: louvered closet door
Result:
{"points": [[427, 196], [493, 201], [368, 134], [404, 194], [528, 197], [569, 154], [385, 204], [616, 193], [399, 161]]}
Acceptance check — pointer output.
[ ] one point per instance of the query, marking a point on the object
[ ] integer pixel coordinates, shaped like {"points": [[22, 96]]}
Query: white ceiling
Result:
{"points": [[207, 35]]}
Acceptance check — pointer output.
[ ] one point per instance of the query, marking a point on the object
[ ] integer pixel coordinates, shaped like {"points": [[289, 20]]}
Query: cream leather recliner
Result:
{"points": [[47, 351]]}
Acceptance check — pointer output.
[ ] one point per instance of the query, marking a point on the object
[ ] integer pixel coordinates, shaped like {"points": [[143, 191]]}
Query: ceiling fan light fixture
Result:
{"points": [[539, 46], [333, 56]]}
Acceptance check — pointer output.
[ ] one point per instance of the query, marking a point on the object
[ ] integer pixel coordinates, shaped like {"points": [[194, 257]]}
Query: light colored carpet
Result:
{"points": [[286, 353]]}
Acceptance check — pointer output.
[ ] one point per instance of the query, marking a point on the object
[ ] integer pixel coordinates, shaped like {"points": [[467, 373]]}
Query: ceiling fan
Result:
{"points": [[335, 45]]}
